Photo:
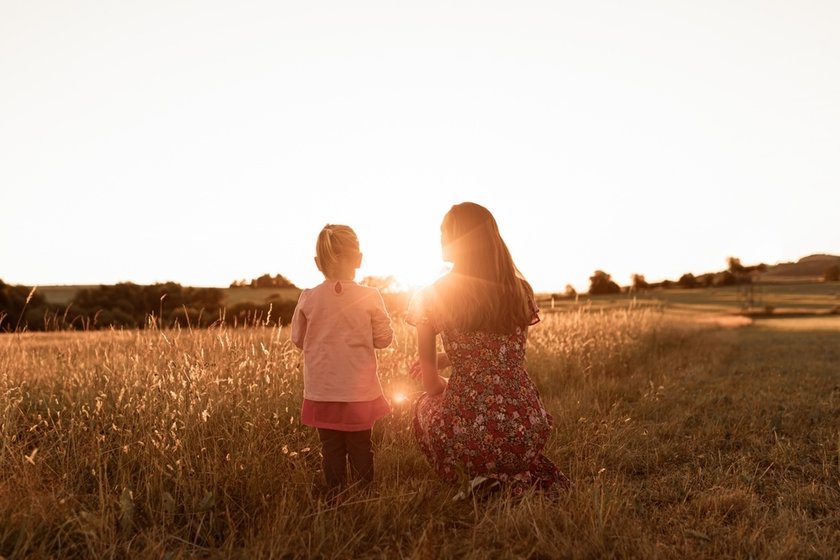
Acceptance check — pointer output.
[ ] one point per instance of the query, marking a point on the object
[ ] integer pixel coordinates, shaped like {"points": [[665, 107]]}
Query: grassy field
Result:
{"points": [[684, 439]]}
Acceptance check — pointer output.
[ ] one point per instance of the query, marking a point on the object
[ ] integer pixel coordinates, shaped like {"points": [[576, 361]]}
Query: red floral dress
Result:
{"points": [[490, 420]]}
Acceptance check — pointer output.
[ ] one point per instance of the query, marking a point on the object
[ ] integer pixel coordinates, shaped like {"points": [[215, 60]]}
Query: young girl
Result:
{"points": [[339, 324], [487, 421]]}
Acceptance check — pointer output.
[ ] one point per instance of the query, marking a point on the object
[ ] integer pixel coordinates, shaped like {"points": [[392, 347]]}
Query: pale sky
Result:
{"points": [[203, 142]]}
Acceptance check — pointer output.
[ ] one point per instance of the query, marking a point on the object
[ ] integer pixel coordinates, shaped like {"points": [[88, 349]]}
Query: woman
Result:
{"points": [[487, 421]]}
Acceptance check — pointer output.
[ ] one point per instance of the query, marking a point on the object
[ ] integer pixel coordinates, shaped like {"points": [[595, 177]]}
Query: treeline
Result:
{"points": [[128, 305], [736, 274], [264, 281], [601, 283]]}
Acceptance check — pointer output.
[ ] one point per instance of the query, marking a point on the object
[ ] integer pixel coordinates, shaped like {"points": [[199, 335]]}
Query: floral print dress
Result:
{"points": [[490, 420]]}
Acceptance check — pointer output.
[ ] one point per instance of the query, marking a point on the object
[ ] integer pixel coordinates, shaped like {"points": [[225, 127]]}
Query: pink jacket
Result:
{"points": [[339, 324]]}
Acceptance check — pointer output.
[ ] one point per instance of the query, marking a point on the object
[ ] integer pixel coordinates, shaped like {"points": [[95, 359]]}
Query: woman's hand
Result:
{"points": [[414, 369], [435, 387], [427, 360], [415, 372]]}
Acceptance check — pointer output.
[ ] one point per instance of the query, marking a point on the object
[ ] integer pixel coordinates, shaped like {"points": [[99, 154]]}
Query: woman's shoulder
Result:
{"points": [[427, 292], [421, 306]]}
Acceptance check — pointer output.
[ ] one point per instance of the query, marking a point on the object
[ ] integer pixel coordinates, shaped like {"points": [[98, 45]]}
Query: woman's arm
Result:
{"points": [[428, 360], [442, 363], [442, 360]]}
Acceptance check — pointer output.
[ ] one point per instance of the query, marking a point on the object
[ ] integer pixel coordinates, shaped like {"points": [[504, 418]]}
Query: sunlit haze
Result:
{"points": [[207, 142]]}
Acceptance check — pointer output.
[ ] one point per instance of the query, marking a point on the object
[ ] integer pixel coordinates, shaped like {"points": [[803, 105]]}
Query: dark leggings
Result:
{"points": [[337, 447]]}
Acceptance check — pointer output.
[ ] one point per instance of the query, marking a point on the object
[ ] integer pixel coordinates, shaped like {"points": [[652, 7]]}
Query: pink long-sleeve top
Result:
{"points": [[339, 324]]}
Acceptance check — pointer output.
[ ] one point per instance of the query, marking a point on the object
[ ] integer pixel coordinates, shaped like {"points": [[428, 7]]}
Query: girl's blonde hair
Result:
{"points": [[335, 243], [484, 290]]}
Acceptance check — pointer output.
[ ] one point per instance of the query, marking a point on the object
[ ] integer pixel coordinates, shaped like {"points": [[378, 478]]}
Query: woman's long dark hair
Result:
{"points": [[484, 290]]}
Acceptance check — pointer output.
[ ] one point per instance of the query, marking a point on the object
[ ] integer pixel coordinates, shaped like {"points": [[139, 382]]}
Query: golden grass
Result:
{"points": [[683, 440]]}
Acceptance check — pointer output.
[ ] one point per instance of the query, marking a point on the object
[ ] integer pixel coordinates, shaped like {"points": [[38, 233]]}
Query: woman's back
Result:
{"points": [[475, 352]]}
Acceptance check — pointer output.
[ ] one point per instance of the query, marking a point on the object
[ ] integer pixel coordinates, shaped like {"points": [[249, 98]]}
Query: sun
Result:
{"points": [[408, 271], [411, 280], [407, 250]]}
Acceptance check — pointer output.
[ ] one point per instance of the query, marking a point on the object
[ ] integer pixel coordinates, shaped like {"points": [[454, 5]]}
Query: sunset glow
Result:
{"points": [[205, 144]]}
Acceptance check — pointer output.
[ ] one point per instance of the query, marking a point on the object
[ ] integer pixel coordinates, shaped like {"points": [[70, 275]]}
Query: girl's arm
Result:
{"points": [[299, 323], [383, 332], [433, 383]]}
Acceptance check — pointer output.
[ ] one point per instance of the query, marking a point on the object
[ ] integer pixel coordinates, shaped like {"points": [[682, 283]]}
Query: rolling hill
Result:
{"points": [[810, 268]]}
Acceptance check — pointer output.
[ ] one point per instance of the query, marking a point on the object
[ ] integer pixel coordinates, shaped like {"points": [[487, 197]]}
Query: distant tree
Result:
{"points": [[601, 283], [687, 280], [269, 281], [705, 280], [832, 274], [206, 297], [570, 291], [734, 265], [639, 283], [725, 278], [21, 307], [4, 298]]}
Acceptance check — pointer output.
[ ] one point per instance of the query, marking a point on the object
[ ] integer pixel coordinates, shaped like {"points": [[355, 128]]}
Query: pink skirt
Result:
{"points": [[344, 416]]}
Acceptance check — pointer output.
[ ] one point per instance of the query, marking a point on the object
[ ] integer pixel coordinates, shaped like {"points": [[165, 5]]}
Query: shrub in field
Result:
{"points": [[602, 283], [19, 305]]}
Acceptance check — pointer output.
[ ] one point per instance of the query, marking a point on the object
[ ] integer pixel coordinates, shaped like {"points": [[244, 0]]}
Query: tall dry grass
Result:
{"points": [[682, 441]]}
